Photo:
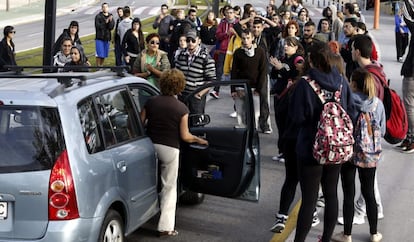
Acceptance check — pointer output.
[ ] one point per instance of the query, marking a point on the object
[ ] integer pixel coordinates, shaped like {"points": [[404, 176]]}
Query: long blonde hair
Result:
{"points": [[363, 81]]}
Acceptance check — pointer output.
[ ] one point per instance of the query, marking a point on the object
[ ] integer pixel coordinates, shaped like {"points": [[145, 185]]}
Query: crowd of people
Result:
{"points": [[280, 54], [274, 52]]}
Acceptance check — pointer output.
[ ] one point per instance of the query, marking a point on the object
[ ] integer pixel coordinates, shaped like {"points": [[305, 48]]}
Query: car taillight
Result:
{"points": [[62, 197]]}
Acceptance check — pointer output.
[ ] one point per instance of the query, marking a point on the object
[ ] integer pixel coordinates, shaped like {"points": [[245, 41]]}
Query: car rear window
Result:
{"points": [[31, 138]]}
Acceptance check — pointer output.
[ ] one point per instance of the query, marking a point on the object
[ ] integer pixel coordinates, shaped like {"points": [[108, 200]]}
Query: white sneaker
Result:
{"points": [[279, 158], [214, 95], [376, 237], [233, 114], [315, 219], [357, 220], [320, 202], [341, 237], [279, 224], [380, 216]]}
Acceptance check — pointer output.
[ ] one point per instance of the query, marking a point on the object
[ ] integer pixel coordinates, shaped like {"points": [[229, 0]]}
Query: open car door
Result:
{"points": [[230, 165]]}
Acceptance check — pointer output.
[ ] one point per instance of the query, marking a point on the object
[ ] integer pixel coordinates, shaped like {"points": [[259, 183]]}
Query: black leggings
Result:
{"points": [[366, 177], [291, 177], [310, 176]]}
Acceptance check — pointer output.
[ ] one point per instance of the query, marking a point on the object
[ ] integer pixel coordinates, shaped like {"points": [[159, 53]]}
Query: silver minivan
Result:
{"points": [[76, 165]]}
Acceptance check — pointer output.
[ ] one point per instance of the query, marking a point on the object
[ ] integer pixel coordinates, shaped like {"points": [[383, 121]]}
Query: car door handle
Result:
{"points": [[198, 146], [121, 165]]}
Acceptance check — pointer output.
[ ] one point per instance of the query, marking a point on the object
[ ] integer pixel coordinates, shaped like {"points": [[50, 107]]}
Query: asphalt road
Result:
{"points": [[85, 15], [221, 219]]}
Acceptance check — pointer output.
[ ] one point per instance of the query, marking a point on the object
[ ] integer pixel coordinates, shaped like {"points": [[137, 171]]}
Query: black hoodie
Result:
{"points": [[306, 108]]}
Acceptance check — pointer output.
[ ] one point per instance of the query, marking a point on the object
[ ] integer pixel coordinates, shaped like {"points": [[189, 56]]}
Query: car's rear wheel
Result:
{"points": [[113, 228], [191, 198]]}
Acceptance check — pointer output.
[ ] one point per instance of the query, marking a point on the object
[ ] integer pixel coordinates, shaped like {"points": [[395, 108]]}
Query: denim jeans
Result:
{"points": [[219, 69], [195, 105]]}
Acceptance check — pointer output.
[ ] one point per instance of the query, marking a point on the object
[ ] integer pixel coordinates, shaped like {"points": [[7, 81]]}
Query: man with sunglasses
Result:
{"points": [[198, 68]]}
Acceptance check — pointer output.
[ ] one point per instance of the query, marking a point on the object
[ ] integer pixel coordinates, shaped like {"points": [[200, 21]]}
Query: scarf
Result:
{"points": [[249, 52]]}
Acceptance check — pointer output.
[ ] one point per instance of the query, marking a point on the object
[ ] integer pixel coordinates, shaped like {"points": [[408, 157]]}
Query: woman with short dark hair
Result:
{"points": [[7, 50], [167, 124], [152, 61]]}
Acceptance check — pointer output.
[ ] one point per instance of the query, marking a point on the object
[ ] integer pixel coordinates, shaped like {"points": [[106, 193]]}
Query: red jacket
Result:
{"points": [[223, 34]]}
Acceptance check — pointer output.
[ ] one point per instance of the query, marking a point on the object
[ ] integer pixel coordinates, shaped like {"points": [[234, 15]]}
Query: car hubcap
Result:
{"points": [[113, 232]]}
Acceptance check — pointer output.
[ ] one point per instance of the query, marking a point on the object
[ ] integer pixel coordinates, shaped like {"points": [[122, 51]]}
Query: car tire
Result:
{"points": [[191, 198], [112, 228]]}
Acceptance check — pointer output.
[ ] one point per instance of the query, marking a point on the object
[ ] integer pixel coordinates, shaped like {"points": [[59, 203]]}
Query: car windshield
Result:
{"points": [[30, 138]]}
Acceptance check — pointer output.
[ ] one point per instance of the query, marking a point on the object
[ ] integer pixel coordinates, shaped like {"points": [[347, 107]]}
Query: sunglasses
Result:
{"points": [[154, 42], [192, 40], [12, 32]]}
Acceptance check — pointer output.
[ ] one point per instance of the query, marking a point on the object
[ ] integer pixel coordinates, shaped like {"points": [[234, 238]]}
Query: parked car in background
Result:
{"points": [[76, 164]]}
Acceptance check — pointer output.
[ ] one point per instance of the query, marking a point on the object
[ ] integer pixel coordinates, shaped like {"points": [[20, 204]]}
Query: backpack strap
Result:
{"points": [[374, 71], [367, 117], [337, 94], [318, 90]]}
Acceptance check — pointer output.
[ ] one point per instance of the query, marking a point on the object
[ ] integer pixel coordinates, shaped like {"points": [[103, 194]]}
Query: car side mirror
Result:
{"points": [[197, 120]]}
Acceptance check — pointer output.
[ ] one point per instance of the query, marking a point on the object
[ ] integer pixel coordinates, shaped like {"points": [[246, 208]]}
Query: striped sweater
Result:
{"points": [[198, 71]]}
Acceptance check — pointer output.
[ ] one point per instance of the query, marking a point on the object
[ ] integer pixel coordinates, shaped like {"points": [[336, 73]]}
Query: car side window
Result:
{"points": [[140, 96], [89, 125], [117, 116]]}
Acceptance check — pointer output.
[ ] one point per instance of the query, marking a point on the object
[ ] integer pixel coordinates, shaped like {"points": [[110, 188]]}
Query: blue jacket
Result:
{"points": [[363, 104], [398, 20], [306, 108]]}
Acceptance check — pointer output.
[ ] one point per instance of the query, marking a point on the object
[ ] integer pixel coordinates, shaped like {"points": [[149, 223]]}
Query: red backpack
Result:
{"points": [[396, 115]]}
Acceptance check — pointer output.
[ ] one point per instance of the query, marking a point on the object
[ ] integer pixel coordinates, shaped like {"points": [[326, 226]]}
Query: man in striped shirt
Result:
{"points": [[198, 68]]}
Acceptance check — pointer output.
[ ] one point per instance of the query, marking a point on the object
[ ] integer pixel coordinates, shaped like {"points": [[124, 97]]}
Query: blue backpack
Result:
{"points": [[367, 132]]}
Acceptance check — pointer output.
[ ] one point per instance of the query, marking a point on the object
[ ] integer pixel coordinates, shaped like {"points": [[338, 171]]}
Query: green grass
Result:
{"points": [[34, 57]]}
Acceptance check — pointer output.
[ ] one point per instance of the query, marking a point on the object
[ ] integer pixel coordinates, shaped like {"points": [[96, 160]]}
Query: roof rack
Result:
{"points": [[48, 69], [66, 79]]}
